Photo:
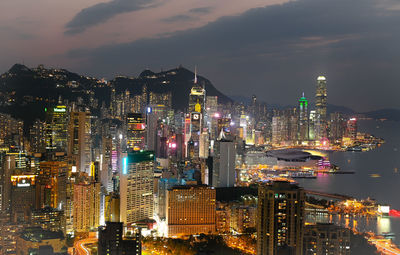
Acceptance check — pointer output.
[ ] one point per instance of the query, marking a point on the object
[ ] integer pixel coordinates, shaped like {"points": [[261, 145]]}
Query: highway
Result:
{"points": [[384, 246], [80, 246]]}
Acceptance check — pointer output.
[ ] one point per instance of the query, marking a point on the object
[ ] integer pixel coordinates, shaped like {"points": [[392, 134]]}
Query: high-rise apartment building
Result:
{"points": [[79, 143], [191, 210], [112, 240], [326, 239], [280, 218], [137, 186], [86, 208]]}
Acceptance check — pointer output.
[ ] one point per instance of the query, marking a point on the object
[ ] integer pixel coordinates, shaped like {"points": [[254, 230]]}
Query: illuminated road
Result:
{"points": [[80, 246], [384, 246]]}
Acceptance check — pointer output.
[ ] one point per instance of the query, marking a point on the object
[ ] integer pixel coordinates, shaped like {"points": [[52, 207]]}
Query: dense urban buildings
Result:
{"points": [[117, 164]]}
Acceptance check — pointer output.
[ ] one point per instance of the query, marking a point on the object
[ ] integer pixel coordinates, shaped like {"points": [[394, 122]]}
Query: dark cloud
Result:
{"points": [[277, 52], [178, 18], [201, 10], [102, 12]]}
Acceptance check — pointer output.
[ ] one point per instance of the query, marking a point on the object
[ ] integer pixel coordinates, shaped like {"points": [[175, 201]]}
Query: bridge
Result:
{"points": [[330, 195]]}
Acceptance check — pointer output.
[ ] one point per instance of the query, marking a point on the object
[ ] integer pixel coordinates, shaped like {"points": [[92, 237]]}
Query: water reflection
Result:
{"points": [[383, 225]]}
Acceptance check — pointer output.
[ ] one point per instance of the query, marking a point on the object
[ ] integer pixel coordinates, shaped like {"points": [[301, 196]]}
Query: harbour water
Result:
{"points": [[377, 174]]}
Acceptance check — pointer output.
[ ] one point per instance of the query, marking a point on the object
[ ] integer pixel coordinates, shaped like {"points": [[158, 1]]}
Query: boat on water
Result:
{"points": [[355, 148], [375, 175]]}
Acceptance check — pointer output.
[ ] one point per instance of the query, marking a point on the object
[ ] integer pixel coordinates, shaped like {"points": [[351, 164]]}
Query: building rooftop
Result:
{"points": [[37, 234]]}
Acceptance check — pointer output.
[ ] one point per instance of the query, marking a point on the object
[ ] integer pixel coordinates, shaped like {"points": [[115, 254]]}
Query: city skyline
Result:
{"points": [[184, 127], [269, 56]]}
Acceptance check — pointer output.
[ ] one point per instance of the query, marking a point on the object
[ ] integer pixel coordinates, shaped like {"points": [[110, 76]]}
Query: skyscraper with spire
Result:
{"points": [[320, 108], [303, 118], [197, 96]]}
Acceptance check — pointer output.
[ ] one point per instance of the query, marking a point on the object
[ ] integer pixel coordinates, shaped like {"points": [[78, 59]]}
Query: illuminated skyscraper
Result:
{"points": [[56, 128], [224, 162], [51, 184], [320, 108], [137, 186], [196, 96], [80, 140], [280, 216], [86, 208], [352, 129], [195, 129], [337, 127], [311, 125], [22, 197], [136, 131], [303, 119]]}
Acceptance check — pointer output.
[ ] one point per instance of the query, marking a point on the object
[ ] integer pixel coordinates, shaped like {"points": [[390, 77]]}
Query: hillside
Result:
{"points": [[25, 92]]}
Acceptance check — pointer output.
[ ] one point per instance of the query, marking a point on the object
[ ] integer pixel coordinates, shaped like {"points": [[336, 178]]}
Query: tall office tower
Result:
{"points": [[154, 113], [191, 210], [56, 128], [195, 129], [37, 136], [224, 162], [51, 184], [320, 108], [311, 125], [276, 130], [86, 208], [136, 186], [136, 131], [303, 119], [254, 108], [351, 131], [22, 197], [326, 239], [204, 144], [280, 217], [211, 105], [337, 127], [292, 126], [197, 96], [111, 240], [79, 140]]}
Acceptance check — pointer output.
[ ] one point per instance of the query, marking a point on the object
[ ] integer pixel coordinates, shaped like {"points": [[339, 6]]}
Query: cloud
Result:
{"points": [[201, 10], [277, 52], [102, 12], [178, 18]]}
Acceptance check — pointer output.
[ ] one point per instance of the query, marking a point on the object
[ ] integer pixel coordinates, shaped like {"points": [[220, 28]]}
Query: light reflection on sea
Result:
{"points": [[383, 161]]}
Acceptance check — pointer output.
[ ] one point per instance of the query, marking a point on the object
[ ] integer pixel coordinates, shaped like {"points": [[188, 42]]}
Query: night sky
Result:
{"points": [[274, 49]]}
